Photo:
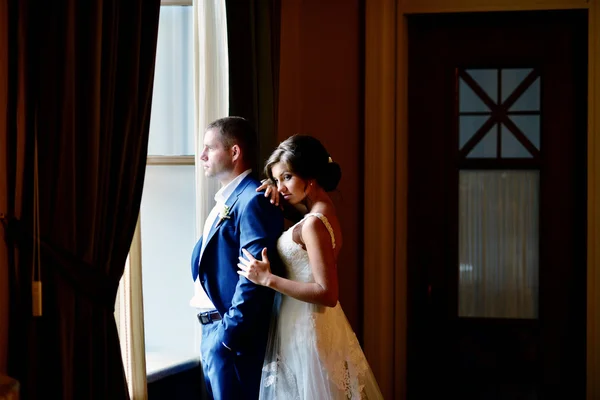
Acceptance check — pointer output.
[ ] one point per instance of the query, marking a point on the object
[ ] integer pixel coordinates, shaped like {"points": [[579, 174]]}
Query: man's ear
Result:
{"points": [[236, 152]]}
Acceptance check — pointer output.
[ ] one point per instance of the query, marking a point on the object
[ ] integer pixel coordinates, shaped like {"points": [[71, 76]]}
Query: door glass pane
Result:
{"points": [[468, 125], [487, 79], [511, 147], [511, 78], [468, 101], [529, 100], [530, 126], [498, 244], [524, 112], [487, 147]]}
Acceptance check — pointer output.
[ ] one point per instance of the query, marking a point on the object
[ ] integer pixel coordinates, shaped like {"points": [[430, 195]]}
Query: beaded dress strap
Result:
{"points": [[327, 225]]}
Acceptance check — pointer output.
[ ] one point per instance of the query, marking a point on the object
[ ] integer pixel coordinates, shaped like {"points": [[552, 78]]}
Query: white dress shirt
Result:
{"points": [[200, 299]]}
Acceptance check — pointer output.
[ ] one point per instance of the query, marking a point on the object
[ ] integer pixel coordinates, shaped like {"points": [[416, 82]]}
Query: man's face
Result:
{"points": [[216, 159]]}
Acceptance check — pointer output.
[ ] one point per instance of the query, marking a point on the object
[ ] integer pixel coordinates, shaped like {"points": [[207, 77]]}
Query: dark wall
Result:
{"points": [[320, 91]]}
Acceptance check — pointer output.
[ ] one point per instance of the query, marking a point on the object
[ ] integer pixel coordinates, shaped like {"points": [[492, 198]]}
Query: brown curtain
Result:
{"points": [[3, 186], [80, 81], [253, 32]]}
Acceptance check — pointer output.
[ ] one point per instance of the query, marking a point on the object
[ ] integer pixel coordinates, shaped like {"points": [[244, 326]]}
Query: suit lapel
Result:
{"points": [[233, 198]]}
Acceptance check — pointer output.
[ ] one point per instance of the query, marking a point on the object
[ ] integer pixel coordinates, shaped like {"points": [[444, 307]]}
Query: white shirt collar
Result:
{"points": [[223, 194]]}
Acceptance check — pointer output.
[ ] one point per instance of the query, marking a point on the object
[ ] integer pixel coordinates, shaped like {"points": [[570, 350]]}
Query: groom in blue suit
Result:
{"points": [[234, 334]]}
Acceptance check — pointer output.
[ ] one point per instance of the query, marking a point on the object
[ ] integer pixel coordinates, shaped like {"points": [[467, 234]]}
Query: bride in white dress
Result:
{"points": [[312, 351]]}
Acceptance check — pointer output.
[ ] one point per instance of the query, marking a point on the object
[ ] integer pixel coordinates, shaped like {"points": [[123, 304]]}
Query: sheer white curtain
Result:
{"points": [[211, 97], [211, 88], [499, 244], [129, 314]]}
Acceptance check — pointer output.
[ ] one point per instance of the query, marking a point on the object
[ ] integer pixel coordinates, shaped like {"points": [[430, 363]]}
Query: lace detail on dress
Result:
{"points": [[341, 353], [275, 368]]}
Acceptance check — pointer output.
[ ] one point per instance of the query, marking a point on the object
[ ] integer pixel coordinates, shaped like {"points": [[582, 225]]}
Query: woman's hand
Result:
{"points": [[254, 270], [270, 190]]}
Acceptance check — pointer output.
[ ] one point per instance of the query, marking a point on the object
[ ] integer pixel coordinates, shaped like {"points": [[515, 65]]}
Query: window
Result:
{"points": [[499, 113], [167, 214], [158, 328], [166, 232], [499, 152]]}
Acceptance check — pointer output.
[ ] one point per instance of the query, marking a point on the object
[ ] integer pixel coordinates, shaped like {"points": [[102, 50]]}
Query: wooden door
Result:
{"points": [[497, 205]]}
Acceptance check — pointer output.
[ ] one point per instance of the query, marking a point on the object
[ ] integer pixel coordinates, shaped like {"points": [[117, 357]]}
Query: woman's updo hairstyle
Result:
{"points": [[305, 156]]}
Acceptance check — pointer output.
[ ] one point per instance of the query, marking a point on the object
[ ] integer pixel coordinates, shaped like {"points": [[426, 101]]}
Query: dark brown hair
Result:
{"points": [[305, 156]]}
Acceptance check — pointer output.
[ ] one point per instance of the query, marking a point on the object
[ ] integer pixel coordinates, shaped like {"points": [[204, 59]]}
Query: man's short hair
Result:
{"points": [[237, 130]]}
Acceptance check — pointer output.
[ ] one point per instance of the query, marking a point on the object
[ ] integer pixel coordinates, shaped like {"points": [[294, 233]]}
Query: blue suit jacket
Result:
{"points": [[254, 223]]}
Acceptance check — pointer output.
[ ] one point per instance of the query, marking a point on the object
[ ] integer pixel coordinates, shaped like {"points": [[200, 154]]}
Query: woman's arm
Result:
{"points": [[324, 291]]}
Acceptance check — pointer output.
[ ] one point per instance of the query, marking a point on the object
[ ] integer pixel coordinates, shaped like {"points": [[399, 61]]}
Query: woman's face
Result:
{"points": [[289, 185]]}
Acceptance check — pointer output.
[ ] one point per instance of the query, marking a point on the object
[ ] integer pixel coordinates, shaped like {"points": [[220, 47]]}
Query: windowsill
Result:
{"points": [[159, 365]]}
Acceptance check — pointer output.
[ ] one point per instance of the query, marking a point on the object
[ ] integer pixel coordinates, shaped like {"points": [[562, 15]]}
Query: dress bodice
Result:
{"points": [[294, 256]]}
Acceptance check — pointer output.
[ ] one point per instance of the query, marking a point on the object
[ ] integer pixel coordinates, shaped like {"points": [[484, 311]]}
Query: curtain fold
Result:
{"points": [[4, 45], [12, 133], [211, 101], [85, 74], [211, 90], [253, 34]]}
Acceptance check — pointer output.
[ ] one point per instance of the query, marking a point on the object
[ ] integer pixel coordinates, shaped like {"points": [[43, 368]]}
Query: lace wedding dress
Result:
{"points": [[312, 352]]}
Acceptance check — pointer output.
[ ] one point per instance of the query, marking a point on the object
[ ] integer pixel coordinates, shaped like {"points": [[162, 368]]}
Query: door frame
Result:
{"points": [[386, 140]]}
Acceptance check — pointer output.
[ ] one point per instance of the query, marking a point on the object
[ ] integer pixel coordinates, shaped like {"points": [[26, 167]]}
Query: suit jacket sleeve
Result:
{"points": [[196, 259], [260, 225]]}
